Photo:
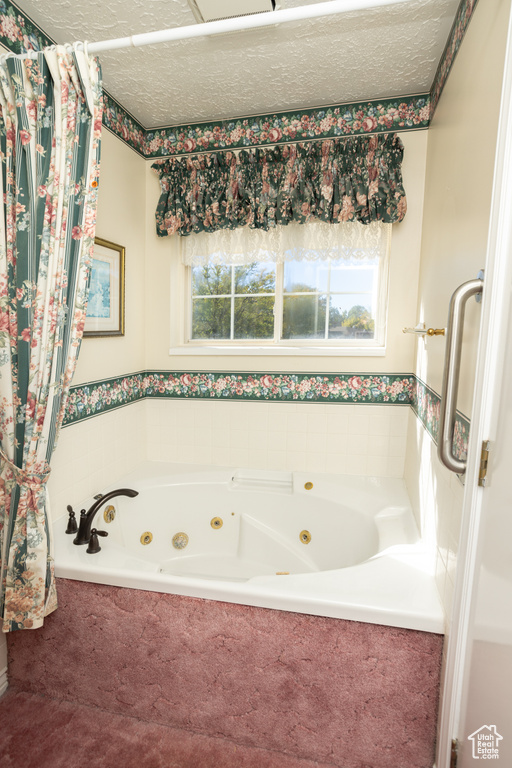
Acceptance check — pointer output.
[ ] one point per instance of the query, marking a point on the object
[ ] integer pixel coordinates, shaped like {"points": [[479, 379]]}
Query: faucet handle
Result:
{"points": [[94, 545], [72, 524], [79, 538]]}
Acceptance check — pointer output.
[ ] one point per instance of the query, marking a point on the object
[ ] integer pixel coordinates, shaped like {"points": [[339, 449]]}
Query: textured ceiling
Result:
{"points": [[379, 53]]}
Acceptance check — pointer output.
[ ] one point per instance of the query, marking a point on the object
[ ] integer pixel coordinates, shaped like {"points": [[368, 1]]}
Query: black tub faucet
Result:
{"points": [[86, 518]]}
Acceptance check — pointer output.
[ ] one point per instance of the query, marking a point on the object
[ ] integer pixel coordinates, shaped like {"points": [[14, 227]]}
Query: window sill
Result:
{"points": [[251, 351]]}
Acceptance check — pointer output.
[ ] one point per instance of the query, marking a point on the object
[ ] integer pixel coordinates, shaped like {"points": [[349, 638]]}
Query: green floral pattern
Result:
{"points": [[360, 118], [50, 127], [117, 120], [357, 179], [426, 404], [460, 25], [19, 33], [98, 397], [282, 387]]}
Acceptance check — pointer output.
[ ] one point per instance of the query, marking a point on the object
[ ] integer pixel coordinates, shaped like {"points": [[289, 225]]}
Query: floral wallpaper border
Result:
{"points": [[425, 403], [96, 398], [283, 387], [19, 34], [458, 30], [123, 125], [359, 118]]}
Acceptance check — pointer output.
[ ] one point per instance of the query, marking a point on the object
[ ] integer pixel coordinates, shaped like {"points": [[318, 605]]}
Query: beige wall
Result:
{"points": [[164, 293], [121, 219], [460, 167]]}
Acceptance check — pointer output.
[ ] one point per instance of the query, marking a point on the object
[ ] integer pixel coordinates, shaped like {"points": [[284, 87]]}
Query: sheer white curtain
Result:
{"points": [[314, 241]]}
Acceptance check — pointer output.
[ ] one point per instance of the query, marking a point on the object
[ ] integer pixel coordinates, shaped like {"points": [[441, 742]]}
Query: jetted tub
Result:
{"points": [[328, 545]]}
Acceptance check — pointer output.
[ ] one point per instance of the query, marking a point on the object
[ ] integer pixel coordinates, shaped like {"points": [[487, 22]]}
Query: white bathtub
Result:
{"points": [[346, 548]]}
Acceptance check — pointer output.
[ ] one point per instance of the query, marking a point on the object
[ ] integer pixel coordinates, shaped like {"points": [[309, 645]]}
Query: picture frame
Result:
{"points": [[105, 307]]}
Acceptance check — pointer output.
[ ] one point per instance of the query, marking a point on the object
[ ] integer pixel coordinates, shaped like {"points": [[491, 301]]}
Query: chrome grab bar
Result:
{"points": [[455, 328]]}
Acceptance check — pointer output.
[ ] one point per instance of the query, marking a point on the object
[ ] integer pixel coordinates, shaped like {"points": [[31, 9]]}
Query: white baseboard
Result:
{"points": [[3, 681]]}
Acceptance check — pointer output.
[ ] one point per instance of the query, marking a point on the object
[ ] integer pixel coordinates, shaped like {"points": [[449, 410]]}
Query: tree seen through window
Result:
{"points": [[316, 300]]}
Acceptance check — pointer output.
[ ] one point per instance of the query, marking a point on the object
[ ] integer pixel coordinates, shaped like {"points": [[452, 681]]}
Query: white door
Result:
{"points": [[476, 705], [485, 730]]}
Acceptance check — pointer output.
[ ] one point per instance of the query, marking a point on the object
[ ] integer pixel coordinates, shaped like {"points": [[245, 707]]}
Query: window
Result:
{"points": [[290, 297], [330, 300], [233, 302]]}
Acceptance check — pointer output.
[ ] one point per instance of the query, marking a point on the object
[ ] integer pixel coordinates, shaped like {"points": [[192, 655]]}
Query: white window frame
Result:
{"points": [[182, 344]]}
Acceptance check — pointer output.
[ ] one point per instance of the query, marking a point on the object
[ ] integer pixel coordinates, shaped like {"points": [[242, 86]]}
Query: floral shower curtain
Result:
{"points": [[50, 127]]}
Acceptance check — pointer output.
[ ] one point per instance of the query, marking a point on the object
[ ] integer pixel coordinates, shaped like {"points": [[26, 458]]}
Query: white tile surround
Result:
{"points": [[344, 439], [436, 496], [92, 453]]}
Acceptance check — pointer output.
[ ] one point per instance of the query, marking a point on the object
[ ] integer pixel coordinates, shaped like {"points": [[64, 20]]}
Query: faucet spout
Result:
{"points": [[86, 518]]}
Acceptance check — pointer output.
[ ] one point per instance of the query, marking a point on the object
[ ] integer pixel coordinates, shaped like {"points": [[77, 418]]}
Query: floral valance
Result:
{"points": [[354, 179]]}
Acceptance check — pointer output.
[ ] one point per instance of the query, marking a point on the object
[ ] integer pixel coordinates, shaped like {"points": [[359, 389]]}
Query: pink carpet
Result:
{"points": [[342, 693], [42, 733]]}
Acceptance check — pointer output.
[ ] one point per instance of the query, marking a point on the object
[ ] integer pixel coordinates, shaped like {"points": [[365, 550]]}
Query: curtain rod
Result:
{"points": [[237, 24]]}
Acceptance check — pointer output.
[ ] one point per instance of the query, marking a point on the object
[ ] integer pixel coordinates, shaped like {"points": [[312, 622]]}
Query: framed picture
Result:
{"points": [[105, 308]]}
